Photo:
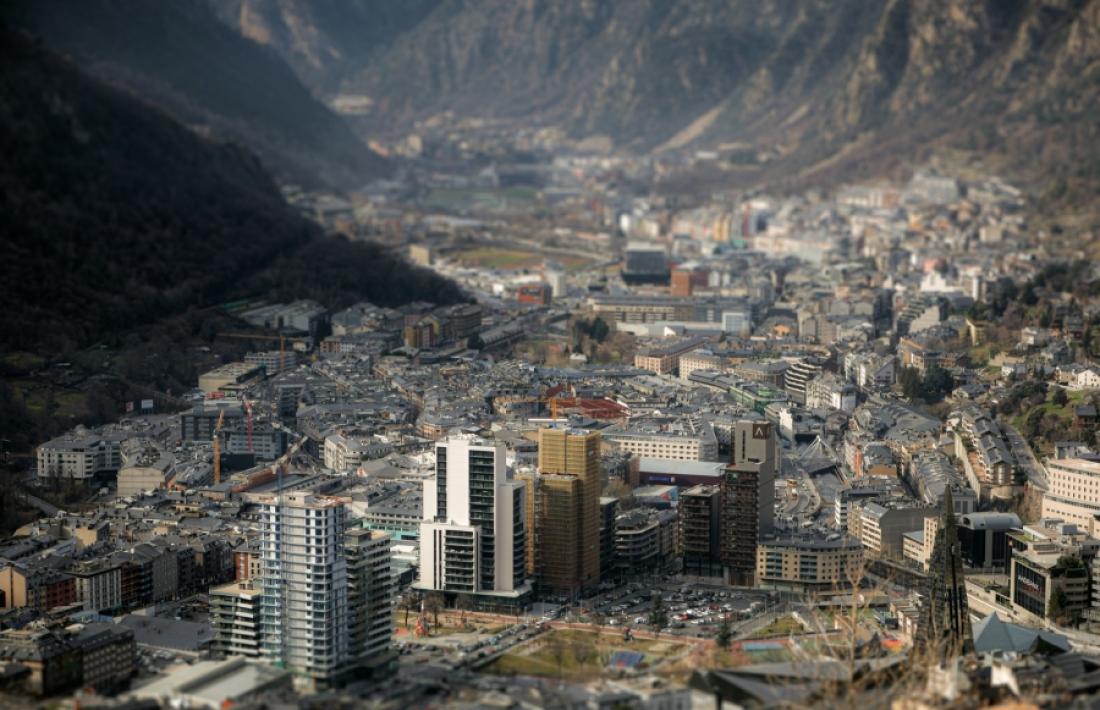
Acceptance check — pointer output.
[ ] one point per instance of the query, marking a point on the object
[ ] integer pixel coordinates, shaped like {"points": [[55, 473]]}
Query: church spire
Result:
{"points": [[946, 619]]}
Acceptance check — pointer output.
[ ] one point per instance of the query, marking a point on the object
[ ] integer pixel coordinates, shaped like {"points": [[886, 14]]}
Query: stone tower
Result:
{"points": [[945, 625]]}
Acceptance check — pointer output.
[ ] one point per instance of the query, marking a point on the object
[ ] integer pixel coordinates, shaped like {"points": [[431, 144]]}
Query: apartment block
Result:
{"points": [[304, 607], [370, 595], [235, 615], [473, 539], [809, 563]]}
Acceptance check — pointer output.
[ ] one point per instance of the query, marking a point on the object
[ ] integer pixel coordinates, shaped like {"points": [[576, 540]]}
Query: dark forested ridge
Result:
{"points": [[123, 228], [177, 55], [113, 215]]}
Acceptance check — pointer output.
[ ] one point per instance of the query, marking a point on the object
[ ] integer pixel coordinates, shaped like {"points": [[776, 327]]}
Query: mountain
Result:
{"points": [[178, 55], [323, 40], [115, 216], [790, 92]]}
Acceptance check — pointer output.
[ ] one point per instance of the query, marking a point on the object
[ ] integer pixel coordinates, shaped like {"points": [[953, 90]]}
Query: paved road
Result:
{"points": [[47, 508], [1036, 474]]}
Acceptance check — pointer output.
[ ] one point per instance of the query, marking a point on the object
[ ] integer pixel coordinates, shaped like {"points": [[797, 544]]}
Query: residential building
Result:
{"points": [[700, 530], [982, 447], [473, 537], [1086, 379], [345, 453], [54, 663], [235, 615], [923, 311], [796, 379], [108, 655], [809, 563], [1073, 494], [646, 539], [304, 608], [248, 561], [827, 391], [78, 455], [748, 497], [40, 588], [370, 595], [880, 526], [98, 585]]}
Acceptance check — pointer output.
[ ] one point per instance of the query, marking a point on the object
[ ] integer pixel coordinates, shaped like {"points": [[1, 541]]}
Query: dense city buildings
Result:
{"points": [[643, 426]]}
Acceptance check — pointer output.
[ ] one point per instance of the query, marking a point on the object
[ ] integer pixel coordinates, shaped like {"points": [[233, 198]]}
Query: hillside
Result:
{"points": [[179, 56], [791, 92], [114, 215], [122, 233], [322, 41]]}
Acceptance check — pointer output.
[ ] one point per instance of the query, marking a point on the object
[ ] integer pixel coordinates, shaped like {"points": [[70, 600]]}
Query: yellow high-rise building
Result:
{"points": [[566, 507]]}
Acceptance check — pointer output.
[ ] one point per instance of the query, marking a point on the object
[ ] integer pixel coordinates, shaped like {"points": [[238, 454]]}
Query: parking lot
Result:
{"points": [[693, 609]]}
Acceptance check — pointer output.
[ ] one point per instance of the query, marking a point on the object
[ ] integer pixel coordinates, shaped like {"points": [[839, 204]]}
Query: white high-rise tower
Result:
{"points": [[473, 535], [304, 611]]}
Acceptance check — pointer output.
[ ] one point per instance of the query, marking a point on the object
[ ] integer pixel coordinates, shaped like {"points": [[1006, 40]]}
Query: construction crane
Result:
{"points": [[217, 445]]}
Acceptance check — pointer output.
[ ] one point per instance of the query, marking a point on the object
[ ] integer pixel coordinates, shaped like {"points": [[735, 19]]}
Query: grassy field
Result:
{"points": [[1064, 412], [783, 626], [583, 654], [22, 361], [499, 258], [457, 199], [492, 257]]}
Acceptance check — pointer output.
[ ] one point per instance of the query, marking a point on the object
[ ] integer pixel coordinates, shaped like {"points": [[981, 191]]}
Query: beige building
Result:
{"points": [[700, 360], [688, 443], [235, 618], [917, 544], [810, 562], [1074, 492], [881, 529], [665, 360]]}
